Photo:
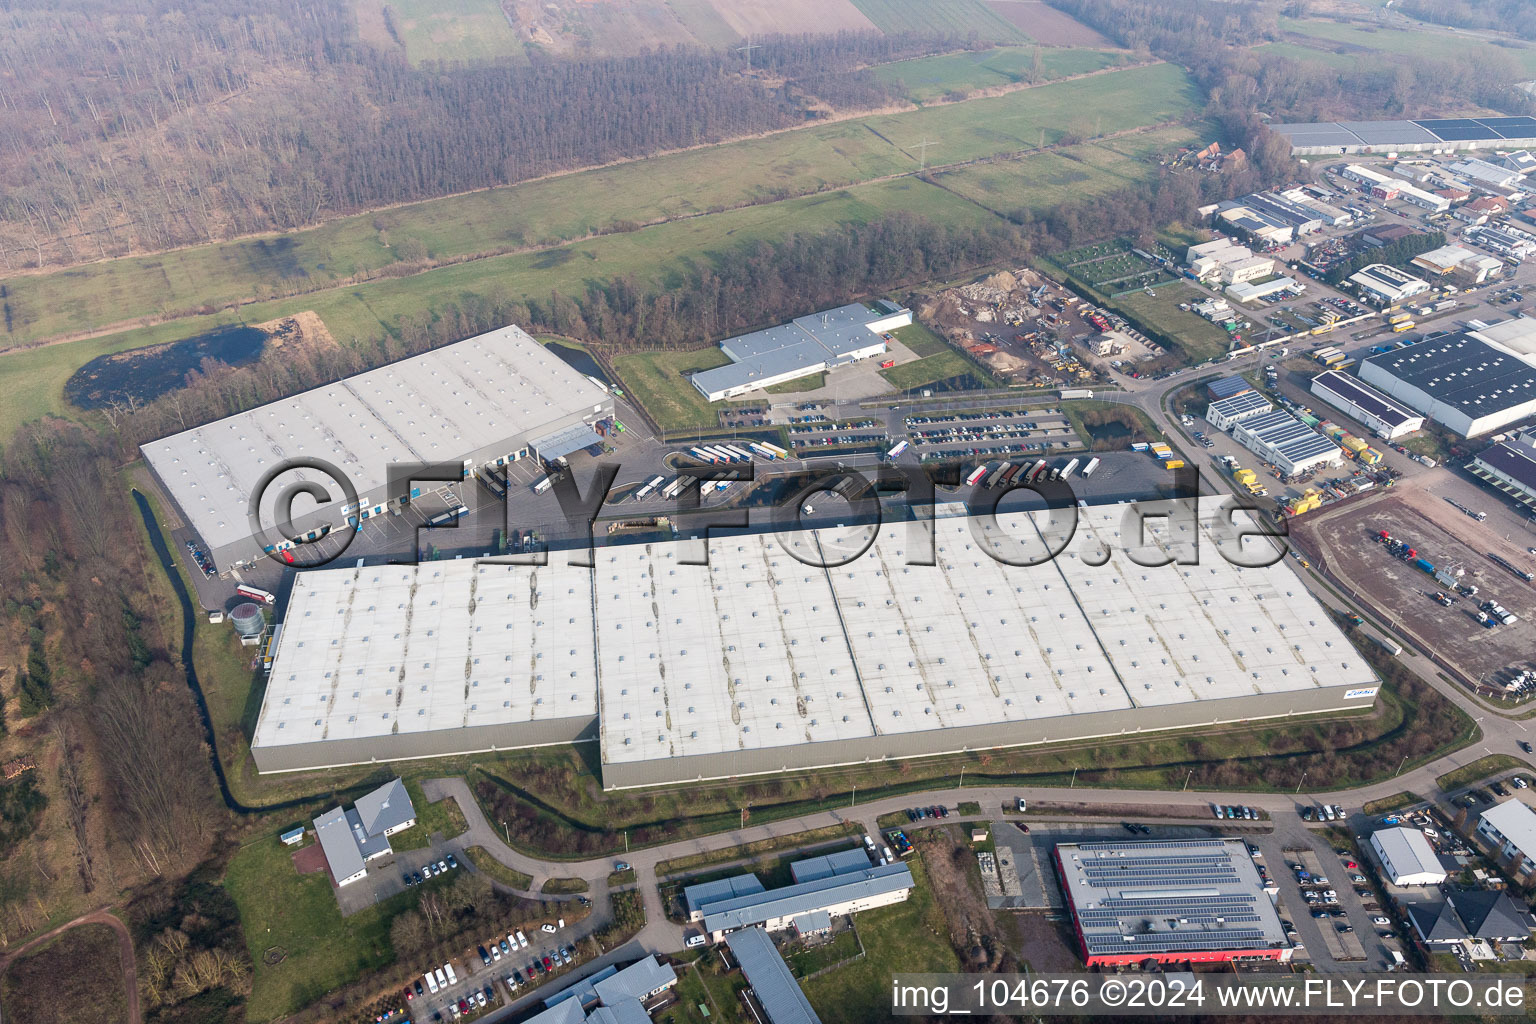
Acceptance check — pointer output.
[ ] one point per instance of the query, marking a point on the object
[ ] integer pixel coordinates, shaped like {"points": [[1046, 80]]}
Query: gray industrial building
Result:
{"points": [[1290, 445], [762, 661], [1510, 466], [1427, 135], [1364, 403], [1470, 382], [773, 987], [805, 345], [494, 398]]}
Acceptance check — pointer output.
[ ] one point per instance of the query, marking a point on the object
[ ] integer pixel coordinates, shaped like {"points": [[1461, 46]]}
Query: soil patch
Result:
{"points": [[310, 860], [1046, 24]]}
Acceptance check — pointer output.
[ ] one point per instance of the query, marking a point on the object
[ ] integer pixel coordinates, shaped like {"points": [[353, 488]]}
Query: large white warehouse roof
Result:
{"points": [[759, 661]]}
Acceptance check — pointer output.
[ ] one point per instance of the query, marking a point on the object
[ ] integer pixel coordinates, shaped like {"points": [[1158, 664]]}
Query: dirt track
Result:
{"points": [[125, 950]]}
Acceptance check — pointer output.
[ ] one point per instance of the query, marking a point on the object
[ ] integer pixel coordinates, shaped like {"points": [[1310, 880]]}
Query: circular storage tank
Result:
{"points": [[248, 619]]}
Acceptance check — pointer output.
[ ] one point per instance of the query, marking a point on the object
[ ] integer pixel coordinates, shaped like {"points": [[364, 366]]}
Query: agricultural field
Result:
{"points": [[939, 18], [1044, 23], [453, 30], [1438, 43], [932, 78], [1037, 182], [120, 292]]}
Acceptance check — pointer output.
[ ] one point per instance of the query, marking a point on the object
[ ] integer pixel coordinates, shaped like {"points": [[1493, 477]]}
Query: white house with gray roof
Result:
{"points": [[352, 837]]}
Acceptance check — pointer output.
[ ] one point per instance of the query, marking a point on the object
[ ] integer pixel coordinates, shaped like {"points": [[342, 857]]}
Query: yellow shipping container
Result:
{"points": [[1175, 463], [1244, 475], [1370, 456], [1353, 443]]}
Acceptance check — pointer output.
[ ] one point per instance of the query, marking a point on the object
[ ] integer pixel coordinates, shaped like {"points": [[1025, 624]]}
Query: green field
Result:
{"points": [[1036, 182], [298, 913], [1200, 339], [1437, 43], [930, 78], [544, 213], [1304, 53], [920, 339], [656, 380], [453, 30], [938, 18], [908, 937], [937, 367]]}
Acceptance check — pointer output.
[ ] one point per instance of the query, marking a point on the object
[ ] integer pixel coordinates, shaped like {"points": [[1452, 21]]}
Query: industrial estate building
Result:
{"points": [[1228, 412], [1379, 413], [1457, 260], [1387, 187], [1284, 441], [351, 838], [800, 348], [1510, 828], [611, 996], [1470, 382], [1227, 262], [491, 399], [776, 910], [1271, 216], [1253, 291], [774, 989], [1176, 901], [760, 662], [1510, 466], [1386, 285], [1431, 134], [1406, 858]]}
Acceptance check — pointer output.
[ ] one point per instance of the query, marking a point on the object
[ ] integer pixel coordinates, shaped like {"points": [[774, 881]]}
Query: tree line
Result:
{"points": [[156, 123], [1395, 254], [1517, 17]]}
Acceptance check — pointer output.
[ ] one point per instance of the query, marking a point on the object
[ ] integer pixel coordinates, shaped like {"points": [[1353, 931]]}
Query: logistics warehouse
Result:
{"points": [[762, 661], [495, 399]]}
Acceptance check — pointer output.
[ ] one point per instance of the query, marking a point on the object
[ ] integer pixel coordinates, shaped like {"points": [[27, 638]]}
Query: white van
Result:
{"points": [[694, 940], [522, 940], [431, 982], [453, 979], [442, 979]]}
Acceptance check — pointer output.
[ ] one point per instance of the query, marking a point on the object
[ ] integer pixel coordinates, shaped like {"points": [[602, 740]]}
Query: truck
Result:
{"points": [[1069, 394], [1510, 567], [1244, 476], [1140, 446], [1174, 464], [255, 594], [976, 476], [764, 452], [449, 516], [776, 450], [895, 452], [650, 486], [1069, 469], [1093, 464], [1036, 471], [1398, 318], [1403, 328]]}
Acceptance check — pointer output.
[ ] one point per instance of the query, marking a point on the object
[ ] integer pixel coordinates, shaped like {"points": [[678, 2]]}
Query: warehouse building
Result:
{"points": [[1173, 902], [1510, 466], [494, 398], [1458, 260], [1387, 187], [1406, 858], [1510, 828], [1443, 134], [1470, 382], [800, 348], [1377, 412], [1485, 174], [758, 663], [1251, 292], [1386, 285], [851, 892], [773, 987], [1228, 262], [1285, 442], [1229, 412]]}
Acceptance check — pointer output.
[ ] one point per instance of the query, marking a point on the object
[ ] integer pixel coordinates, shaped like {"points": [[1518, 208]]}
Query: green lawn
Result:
{"points": [[939, 18], [298, 914], [656, 381], [495, 869], [560, 209], [453, 30], [1198, 337], [909, 937], [805, 962], [1438, 43], [1477, 771], [920, 339], [940, 366], [564, 886], [931, 78]]}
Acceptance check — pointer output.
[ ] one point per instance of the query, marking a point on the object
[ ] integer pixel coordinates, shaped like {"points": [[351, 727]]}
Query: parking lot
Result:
{"points": [[501, 968]]}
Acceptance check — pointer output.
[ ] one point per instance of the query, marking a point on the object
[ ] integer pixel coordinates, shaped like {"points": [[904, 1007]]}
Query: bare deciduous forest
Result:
{"points": [[151, 124]]}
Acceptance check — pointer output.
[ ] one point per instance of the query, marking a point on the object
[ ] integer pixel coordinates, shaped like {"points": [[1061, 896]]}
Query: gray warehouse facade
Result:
{"points": [[494, 398], [763, 661]]}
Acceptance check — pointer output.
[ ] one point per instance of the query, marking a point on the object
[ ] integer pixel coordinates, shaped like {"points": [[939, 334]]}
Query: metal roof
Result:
{"points": [[440, 406], [1463, 371], [695, 896], [385, 808], [805, 344], [562, 442], [1247, 403], [1285, 435], [758, 649], [1516, 461], [1516, 823], [1364, 396], [777, 991], [1408, 851], [804, 897], [1226, 387], [1347, 134], [341, 850], [827, 865], [1167, 896]]}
